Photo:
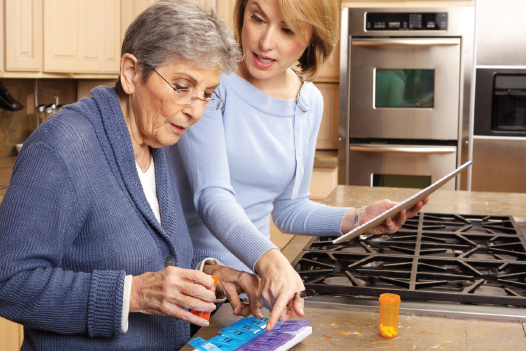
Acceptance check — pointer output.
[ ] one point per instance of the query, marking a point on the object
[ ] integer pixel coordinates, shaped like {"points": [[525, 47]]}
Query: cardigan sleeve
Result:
{"points": [[206, 163], [299, 215], [39, 220]]}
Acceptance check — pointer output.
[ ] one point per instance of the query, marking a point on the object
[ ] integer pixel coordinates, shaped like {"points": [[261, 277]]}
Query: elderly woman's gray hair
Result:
{"points": [[178, 30]]}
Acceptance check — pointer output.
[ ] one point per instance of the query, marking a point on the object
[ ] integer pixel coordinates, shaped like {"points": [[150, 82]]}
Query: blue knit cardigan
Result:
{"points": [[74, 221]]}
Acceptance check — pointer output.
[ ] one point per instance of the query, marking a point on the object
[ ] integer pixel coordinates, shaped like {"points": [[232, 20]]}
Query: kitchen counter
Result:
{"points": [[344, 329], [349, 329]]}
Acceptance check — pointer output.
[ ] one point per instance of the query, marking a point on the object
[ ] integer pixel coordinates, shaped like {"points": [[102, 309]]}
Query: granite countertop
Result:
{"points": [[460, 202], [342, 329]]}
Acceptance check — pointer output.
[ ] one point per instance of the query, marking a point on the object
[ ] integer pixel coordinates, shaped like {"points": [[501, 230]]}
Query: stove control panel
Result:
{"points": [[416, 21]]}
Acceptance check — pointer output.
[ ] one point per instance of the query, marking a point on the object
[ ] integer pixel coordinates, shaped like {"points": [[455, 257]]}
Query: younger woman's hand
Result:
{"points": [[279, 283], [390, 225]]}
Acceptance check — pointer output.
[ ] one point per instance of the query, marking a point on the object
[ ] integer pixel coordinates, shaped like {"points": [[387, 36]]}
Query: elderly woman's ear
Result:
{"points": [[129, 73]]}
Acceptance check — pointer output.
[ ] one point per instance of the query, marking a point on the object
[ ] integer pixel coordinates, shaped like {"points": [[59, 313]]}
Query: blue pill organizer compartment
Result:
{"points": [[248, 334]]}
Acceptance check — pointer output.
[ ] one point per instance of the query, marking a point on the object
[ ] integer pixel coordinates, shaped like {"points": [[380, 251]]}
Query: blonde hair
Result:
{"points": [[324, 16]]}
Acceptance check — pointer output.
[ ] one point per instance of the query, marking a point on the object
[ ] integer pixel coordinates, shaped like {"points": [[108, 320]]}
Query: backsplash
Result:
{"points": [[16, 126]]}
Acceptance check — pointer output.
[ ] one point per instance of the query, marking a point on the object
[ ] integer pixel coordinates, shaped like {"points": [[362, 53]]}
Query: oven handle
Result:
{"points": [[405, 42], [406, 149]]}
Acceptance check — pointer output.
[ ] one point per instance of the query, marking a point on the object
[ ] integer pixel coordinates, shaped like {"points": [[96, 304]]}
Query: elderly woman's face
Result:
{"points": [[160, 115]]}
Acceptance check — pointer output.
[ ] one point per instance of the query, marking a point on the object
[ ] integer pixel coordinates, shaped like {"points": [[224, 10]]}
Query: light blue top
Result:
{"points": [[250, 159]]}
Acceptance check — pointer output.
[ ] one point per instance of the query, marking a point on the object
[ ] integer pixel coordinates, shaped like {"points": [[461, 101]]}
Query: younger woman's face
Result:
{"points": [[269, 45]]}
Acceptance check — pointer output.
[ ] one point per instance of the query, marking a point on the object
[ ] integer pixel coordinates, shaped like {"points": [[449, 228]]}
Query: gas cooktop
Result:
{"points": [[472, 259]]}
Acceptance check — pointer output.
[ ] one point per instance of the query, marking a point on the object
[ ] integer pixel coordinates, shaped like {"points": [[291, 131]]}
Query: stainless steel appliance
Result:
{"points": [[404, 95], [440, 264], [499, 129], [499, 132]]}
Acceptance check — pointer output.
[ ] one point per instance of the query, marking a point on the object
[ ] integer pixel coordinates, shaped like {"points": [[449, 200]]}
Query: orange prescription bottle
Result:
{"points": [[206, 315], [389, 304]]}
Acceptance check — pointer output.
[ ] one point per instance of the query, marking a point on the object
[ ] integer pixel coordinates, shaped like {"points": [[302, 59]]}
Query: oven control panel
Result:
{"points": [[416, 21]]}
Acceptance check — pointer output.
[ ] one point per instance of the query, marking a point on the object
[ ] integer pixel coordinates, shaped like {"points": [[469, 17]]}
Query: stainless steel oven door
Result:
{"points": [[406, 166], [405, 88]]}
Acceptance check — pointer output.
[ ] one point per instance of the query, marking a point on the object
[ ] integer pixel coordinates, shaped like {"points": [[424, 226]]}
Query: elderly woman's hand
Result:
{"points": [[166, 291], [233, 282], [390, 225]]}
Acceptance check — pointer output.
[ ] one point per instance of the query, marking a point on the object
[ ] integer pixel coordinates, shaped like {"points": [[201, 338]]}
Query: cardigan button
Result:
{"points": [[169, 261]]}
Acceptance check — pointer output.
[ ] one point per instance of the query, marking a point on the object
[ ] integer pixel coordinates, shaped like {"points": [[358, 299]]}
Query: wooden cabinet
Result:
{"points": [[330, 71], [66, 38], [11, 335], [23, 29], [82, 36], [130, 9], [323, 182], [111, 22], [328, 134], [225, 9]]}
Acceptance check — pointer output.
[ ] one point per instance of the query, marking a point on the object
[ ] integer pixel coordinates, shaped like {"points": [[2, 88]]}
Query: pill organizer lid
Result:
{"points": [[389, 298]]}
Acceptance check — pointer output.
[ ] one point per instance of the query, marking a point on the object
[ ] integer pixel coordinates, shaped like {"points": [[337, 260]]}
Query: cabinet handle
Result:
{"points": [[405, 42], [406, 149]]}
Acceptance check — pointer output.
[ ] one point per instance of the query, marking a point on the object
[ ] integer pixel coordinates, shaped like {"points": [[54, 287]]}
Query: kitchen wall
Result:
{"points": [[16, 126]]}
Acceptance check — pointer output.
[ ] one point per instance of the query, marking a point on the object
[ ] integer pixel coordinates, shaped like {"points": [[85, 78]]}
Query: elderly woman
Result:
{"points": [[94, 249]]}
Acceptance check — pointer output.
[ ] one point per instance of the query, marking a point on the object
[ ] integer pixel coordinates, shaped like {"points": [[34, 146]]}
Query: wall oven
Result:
{"points": [[403, 94]]}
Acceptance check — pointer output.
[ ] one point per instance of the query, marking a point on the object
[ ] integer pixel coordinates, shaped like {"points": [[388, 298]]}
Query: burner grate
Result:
{"points": [[442, 257]]}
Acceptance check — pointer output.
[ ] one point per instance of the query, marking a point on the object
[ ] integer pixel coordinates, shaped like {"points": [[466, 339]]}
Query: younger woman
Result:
{"points": [[254, 157]]}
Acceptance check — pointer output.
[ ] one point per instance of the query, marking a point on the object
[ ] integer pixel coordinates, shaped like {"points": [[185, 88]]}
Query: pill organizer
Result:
{"points": [[248, 334]]}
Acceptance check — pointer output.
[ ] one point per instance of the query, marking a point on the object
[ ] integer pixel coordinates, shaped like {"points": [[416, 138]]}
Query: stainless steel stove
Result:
{"points": [[440, 264]]}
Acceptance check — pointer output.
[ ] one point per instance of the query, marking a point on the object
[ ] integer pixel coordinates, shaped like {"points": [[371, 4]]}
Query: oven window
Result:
{"points": [[396, 88], [403, 181]]}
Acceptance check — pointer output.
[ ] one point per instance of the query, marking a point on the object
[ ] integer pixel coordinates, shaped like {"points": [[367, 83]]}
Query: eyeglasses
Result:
{"points": [[187, 95]]}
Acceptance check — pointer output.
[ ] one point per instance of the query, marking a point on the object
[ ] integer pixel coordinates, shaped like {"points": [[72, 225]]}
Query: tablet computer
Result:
{"points": [[406, 204]]}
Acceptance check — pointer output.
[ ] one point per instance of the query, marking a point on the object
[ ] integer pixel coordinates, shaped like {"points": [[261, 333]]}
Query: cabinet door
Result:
{"points": [[90, 36], [330, 71], [82, 36], [328, 134], [61, 35], [23, 29], [130, 10], [111, 20], [225, 9]]}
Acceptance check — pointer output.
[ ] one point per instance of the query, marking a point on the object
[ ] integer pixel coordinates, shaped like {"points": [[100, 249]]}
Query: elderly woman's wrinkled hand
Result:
{"points": [[232, 283], [390, 225], [167, 291]]}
